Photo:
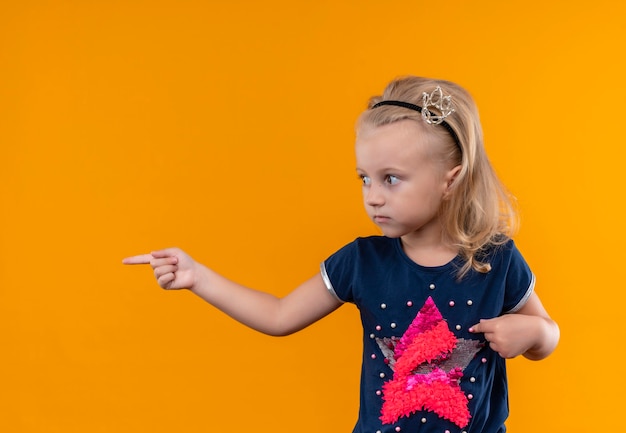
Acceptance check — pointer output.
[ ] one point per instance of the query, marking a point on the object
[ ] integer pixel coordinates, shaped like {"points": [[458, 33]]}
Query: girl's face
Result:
{"points": [[403, 183]]}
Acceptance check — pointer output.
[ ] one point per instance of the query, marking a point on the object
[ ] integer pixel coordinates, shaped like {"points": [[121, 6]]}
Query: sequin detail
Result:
{"points": [[428, 362]]}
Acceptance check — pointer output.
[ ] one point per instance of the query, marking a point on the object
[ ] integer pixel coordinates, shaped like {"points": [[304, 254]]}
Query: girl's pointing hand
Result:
{"points": [[173, 269]]}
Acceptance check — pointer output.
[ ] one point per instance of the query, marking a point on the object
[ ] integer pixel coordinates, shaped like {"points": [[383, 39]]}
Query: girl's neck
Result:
{"points": [[428, 253]]}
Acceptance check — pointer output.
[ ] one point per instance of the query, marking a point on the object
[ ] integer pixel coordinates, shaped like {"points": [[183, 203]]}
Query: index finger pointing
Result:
{"points": [[477, 328], [142, 259]]}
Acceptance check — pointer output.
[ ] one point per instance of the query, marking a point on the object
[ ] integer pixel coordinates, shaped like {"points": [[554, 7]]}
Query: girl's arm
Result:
{"points": [[261, 311], [529, 332]]}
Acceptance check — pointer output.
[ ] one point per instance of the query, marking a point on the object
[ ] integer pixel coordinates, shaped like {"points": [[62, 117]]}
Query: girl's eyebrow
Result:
{"points": [[385, 169]]}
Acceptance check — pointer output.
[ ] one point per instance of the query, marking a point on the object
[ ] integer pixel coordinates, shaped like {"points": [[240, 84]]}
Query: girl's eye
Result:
{"points": [[391, 179], [365, 179]]}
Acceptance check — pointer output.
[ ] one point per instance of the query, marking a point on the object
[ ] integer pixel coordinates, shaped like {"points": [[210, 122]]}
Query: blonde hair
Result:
{"points": [[479, 213]]}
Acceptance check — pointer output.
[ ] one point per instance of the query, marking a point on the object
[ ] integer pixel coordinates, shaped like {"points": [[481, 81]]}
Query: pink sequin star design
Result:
{"points": [[428, 361]]}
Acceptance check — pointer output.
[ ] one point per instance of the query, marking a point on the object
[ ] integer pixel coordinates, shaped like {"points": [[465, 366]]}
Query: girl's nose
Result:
{"points": [[374, 196]]}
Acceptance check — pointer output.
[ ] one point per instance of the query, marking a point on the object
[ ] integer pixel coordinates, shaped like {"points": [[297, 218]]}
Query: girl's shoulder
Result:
{"points": [[373, 245], [374, 240], [369, 250], [500, 245]]}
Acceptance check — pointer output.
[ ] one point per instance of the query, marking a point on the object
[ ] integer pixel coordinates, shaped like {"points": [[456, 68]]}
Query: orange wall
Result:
{"points": [[226, 128]]}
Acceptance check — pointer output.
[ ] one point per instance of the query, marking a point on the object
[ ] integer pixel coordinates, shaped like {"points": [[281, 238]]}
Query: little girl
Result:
{"points": [[444, 294]]}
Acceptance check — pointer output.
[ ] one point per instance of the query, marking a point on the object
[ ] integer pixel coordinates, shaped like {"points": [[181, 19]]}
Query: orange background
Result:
{"points": [[226, 128]]}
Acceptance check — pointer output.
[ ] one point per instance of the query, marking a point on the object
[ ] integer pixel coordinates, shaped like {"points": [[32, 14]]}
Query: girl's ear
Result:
{"points": [[450, 178]]}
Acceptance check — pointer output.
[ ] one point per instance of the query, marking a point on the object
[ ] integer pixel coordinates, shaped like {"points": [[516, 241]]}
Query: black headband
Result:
{"points": [[419, 109]]}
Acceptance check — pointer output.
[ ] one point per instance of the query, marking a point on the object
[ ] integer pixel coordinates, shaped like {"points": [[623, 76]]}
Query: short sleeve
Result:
{"points": [[520, 281], [338, 272]]}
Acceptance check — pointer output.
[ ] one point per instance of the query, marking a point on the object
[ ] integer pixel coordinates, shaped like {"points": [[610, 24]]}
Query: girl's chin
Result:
{"points": [[391, 233]]}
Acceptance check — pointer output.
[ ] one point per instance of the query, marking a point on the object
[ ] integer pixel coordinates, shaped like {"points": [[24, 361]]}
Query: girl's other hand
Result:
{"points": [[529, 332], [508, 335], [173, 269]]}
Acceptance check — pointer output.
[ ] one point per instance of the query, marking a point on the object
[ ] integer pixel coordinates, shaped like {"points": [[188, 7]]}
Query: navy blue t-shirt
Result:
{"points": [[422, 370]]}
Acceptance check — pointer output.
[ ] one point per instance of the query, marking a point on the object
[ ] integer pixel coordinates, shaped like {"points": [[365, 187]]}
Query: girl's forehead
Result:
{"points": [[406, 128], [392, 137], [396, 143]]}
